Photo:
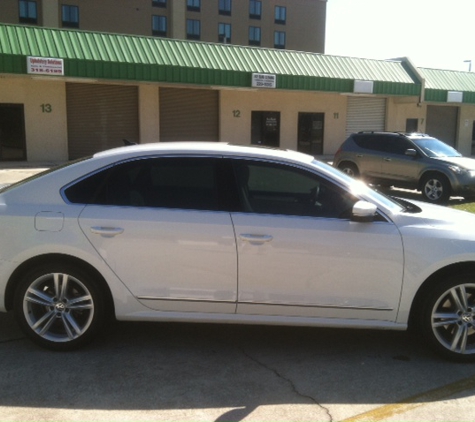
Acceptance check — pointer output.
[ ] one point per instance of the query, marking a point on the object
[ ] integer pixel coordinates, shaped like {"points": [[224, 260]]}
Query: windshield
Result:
{"points": [[435, 148], [362, 190]]}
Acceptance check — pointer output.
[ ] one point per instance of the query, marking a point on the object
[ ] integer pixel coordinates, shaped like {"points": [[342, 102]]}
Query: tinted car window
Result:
{"points": [[396, 144], [267, 188], [187, 183], [371, 142]]}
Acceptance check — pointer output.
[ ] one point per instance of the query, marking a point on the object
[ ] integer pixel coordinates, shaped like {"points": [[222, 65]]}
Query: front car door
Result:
{"points": [[158, 223], [300, 254], [396, 165]]}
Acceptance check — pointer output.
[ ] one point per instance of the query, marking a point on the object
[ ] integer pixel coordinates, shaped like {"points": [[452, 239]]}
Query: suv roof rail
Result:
{"points": [[399, 132]]}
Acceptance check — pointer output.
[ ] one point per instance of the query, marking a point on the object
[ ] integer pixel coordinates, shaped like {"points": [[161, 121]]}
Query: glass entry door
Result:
{"points": [[265, 128], [310, 133], [12, 133]]}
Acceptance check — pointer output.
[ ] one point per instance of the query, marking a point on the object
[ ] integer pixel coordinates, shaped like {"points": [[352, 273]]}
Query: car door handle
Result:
{"points": [[387, 159], [256, 238], [107, 231]]}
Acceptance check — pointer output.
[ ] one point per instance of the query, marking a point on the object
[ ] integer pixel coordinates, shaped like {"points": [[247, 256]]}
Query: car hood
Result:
{"points": [[460, 223], [465, 162]]}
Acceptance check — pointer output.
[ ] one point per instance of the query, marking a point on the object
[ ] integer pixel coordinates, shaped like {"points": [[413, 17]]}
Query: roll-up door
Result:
{"points": [[189, 115], [100, 117], [442, 123], [365, 114]]}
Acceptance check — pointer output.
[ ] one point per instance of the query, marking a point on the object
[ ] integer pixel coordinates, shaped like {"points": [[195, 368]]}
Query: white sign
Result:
{"points": [[45, 66], [263, 80]]}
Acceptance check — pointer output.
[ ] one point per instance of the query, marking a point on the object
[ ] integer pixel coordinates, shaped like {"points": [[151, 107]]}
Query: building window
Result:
{"points": [[255, 9], [279, 39], [254, 35], [280, 14], [193, 29], [224, 33], [225, 7], [70, 16], [193, 5], [159, 3], [28, 12], [159, 26]]}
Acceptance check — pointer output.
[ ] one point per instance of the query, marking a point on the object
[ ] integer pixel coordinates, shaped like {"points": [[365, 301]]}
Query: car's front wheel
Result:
{"points": [[59, 307], [435, 188], [448, 318]]}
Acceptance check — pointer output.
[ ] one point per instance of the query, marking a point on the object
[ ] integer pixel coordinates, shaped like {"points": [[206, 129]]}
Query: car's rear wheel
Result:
{"points": [[59, 307], [435, 188], [349, 168], [448, 318]]}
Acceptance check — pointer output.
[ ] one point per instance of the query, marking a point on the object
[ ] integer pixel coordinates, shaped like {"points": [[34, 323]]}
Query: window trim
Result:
{"points": [[253, 12], [193, 35], [159, 19], [280, 15], [69, 23], [159, 3], [195, 5], [280, 45], [225, 7], [253, 41], [29, 19], [222, 37]]}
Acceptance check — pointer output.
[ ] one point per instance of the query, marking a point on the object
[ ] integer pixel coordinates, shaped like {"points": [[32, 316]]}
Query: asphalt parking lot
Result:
{"points": [[200, 372], [197, 372]]}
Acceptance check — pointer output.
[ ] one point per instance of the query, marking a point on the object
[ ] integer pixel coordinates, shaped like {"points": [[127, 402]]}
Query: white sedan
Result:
{"points": [[203, 232]]}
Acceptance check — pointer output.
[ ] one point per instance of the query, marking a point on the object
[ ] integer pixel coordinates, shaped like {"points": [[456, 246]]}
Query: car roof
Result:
{"points": [[202, 148]]}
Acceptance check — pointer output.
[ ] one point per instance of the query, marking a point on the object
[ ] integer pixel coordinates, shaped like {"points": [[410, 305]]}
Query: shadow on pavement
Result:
{"points": [[158, 366]]}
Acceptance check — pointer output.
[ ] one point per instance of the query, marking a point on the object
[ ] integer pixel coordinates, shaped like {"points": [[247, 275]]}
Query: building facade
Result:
{"points": [[66, 94], [282, 24]]}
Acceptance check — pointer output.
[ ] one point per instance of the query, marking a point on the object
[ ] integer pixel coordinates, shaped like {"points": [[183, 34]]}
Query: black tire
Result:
{"points": [[448, 318], [349, 168], [59, 306], [435, 188]]}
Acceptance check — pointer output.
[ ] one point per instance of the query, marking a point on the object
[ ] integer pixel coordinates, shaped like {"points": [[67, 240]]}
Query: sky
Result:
{"points": [[436, 34]]}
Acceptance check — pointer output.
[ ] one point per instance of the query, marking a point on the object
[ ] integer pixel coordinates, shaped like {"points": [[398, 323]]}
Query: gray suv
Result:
{"points": [[413, 161]]}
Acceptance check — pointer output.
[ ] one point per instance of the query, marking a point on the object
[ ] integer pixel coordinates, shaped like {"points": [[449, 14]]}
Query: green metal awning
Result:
{"points": [[440, 82], [150, 59]]}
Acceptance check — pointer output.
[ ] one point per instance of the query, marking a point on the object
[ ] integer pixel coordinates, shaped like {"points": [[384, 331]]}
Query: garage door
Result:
{"points": [[442, 123], [100, 117], [365, 114], [188, 115]]}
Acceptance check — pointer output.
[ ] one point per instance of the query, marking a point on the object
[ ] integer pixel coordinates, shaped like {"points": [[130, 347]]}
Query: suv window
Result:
{"points": [[186, 183], [396, 145], [389, 143], [268, 188], [369, 141]]}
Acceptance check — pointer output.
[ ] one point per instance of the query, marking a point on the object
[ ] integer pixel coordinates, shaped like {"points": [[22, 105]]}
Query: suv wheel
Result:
{"points": [[349, 168], [435, 188]]}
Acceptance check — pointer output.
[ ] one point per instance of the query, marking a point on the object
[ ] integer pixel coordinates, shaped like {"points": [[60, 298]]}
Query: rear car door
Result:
{"points": [[368, 155], [158, 223]]}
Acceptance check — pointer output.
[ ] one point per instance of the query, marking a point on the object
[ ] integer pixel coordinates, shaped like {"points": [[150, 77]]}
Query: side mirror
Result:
{"points": [[411, 152], [363, 212]]}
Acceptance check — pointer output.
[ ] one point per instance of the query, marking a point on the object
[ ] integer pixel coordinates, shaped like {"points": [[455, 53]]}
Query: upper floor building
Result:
{"points": [[283, 24]]}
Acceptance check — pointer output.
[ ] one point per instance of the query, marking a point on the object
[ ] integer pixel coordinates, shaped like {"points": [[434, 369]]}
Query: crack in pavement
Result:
{"points": [[288, 381]]}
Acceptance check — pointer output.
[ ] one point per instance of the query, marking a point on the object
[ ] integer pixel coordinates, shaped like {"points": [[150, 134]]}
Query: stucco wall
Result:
{"points": [[401, 109], [149, 118], [45, 115], [236, 107]]}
